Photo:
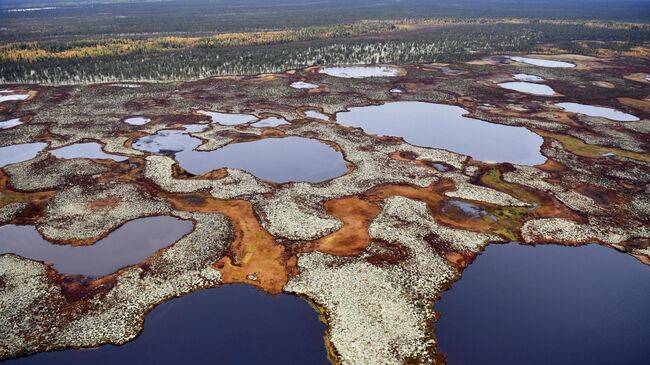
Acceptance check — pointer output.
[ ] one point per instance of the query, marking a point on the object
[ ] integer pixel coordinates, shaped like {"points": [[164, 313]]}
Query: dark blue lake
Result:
{"points": [[547, 305], [233, 324]]}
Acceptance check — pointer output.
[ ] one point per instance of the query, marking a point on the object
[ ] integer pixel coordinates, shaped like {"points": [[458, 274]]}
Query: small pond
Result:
{"points": [[598, 111], [228, 118], [303, 85], [195, 128], [547, 305], [277, 160], [127, 245], [167, 142], [10, 123], [469, 210], [270, 122], [357, 72], [541, 62], [528, 88], [137, 120], [316, 114], [85, 150], [527, 77], [13, 97], [20, 152], [444, 126]]}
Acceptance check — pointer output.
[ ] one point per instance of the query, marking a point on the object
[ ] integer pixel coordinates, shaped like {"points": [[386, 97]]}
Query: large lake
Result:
{"points": [[547, 305], [233, 324], [445, 126], [278, 160]]}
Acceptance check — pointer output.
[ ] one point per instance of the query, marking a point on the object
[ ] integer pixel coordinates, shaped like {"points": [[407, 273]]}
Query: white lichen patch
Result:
{"points": [[388, 316], [399, 210], [31, 303], [9, 211], [184, 267], [295, 214], [530, 177], [577, 201], [237, 183], [369, 317], [42, 173], [640, 205], [466, 190], [116, 145], [565, 231], [72, 215], [25, 297]]}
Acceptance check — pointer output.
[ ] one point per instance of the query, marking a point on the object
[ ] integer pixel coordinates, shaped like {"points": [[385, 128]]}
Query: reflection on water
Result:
{"points": [[167, 142], [229, 119], [528, 88], [233, 324], [303, 85], [316, 114], [20, 152], [274, 159], [195, 128], [13, 97], [467, 209], [527, 77], [541, 62], [137, 120], [547, 305], [598, 111], [277, 160], [444, 126], [270, 122], [129, 244], [356, 72], [85, 150], [10, 123]]}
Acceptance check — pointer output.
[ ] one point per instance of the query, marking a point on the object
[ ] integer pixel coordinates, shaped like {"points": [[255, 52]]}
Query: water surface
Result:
{"points": [[85, 150], [233, 324], [527, 77], [228, 118], [137, 120], [541, 62], [356, 72], [547, 305], [127, 245], [20, 152], [270, 122], [303, 85], [598, 111], [10, 123], [167, 142], [13, 97], [195, 128], [278, 160], [467, 209], [444, 126], [528, 88], [316, 114]]}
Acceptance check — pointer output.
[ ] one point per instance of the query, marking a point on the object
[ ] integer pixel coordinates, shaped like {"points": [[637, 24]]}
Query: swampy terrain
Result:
{"points": [[327, 213]]}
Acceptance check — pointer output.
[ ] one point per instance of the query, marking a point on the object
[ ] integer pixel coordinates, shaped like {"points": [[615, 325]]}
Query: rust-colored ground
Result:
{"points": [[254, 256]]}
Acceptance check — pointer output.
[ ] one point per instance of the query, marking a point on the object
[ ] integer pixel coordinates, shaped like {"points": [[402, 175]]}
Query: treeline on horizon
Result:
{"points": [[458, 43], [72, 19]]}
